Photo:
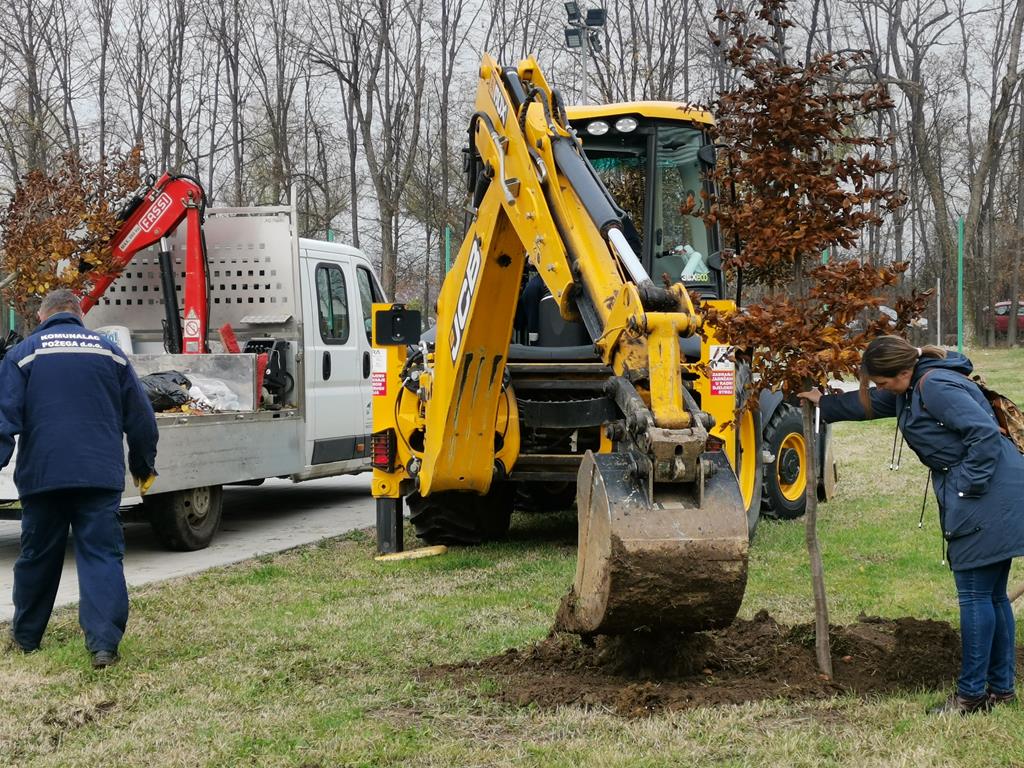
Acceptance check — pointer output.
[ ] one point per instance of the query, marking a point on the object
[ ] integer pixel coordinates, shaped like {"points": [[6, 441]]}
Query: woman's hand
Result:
{"points": [[812, 395]]}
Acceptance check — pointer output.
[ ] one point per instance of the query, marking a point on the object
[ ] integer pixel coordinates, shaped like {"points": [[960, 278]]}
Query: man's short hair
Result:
{"points": [[60, 300]]}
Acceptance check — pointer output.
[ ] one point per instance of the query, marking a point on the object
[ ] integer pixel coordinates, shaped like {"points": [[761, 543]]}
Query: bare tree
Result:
{"points": [[225, 27], [277, 72], [328, 43], [102, 12], [321, 167], [380, 59], [522, 28], [646, 54], [914, 30], [135, 67], [452, 34], [22, 34], [61, 38], [1018, 241]]}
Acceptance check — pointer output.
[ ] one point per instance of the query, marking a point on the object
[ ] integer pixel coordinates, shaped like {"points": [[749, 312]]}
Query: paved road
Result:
{"points": [[275, 516]]}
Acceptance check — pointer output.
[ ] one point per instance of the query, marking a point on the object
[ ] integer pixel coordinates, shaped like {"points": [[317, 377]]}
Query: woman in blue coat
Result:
{"points": [[978, 476]]}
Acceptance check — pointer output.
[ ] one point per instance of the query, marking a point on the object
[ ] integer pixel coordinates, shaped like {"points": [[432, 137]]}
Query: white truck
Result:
{"points": [[305, 302]]}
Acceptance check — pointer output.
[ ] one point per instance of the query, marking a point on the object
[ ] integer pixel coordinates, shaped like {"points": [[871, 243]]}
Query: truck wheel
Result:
{"points": [[785, 479], [453, 517], [186, 520]]}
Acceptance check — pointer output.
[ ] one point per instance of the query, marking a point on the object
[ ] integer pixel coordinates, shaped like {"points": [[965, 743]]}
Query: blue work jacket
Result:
{"points": [[72, 396], [977, 473]]}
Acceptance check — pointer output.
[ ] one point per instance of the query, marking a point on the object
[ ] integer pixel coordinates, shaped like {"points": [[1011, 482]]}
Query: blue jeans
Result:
{"points": [[92, 514], [986, 629]]}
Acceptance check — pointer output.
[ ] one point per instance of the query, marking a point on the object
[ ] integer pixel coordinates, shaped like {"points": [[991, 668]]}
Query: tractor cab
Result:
{"points": [[653, 157]]}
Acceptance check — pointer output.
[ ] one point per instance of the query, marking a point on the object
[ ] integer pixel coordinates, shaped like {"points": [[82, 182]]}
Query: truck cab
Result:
{"points": [[339, 288]]}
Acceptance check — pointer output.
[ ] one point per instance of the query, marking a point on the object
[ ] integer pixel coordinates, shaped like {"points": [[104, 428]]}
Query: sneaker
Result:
{"points": [[1005, 697], [962, 705], [104, 659]]}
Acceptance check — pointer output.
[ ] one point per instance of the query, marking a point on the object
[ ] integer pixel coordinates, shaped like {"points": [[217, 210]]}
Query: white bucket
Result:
{"points": [[118, 334]]}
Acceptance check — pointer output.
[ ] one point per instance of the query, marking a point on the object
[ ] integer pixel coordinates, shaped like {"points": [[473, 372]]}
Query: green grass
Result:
{"points": [[307, 658]]}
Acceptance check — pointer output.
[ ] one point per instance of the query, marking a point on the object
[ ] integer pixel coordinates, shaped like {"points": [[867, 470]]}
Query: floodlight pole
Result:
{"points": [[578, 19], [583, 55]]}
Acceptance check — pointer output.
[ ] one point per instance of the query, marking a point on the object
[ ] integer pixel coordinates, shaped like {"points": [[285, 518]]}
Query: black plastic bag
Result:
{"points": [[12, 339], [166, 389]]}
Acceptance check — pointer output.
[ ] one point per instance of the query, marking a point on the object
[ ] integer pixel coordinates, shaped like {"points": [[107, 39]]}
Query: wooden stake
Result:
{"points": [[821, 637]]}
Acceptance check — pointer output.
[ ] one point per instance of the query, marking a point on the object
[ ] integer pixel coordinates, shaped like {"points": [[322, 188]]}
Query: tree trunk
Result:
{"points": [[821, 636], [353, 170], [1011, 327]]}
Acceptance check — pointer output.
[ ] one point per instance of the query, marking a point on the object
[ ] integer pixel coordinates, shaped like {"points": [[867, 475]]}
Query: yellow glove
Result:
{"points": [[143, 485]]}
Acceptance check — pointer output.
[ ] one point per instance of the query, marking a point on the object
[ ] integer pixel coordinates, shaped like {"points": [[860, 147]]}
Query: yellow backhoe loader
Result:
{"points": [[608, 387]]}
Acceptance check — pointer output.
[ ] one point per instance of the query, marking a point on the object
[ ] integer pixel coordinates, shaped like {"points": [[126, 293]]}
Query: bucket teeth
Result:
{"points": [[677, 563]]}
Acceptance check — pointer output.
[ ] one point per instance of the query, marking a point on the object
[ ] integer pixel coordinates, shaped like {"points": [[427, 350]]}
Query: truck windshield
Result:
{"points": [[653, 190]]}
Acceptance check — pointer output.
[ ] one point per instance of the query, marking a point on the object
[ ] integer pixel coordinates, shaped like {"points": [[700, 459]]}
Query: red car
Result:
{"points": [[1002, 317]]}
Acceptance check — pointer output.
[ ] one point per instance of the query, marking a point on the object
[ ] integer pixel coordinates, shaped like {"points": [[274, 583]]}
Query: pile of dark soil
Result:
{"points": [[748, 661]]}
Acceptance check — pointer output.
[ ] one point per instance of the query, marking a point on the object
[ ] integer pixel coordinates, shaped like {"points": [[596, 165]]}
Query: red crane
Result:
{"points": [[154, 213]]}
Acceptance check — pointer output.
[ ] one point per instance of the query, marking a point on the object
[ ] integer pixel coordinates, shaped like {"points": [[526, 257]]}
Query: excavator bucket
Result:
{"points": [[677, 562]]}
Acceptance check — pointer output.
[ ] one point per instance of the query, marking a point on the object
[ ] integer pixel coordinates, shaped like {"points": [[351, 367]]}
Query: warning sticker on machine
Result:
{"points": [[722, 369], [378, 372]]}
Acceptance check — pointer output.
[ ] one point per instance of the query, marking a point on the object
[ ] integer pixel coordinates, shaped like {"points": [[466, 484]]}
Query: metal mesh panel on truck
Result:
{"points": [[252, 268]]}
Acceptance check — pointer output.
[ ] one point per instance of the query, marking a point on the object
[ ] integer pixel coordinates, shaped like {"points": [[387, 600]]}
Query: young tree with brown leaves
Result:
{"points": [[58, 226], [796, 177]]}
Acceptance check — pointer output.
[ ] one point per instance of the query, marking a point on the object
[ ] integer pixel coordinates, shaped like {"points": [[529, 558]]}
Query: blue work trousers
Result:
{"points": [[92, 515], [986, 630]]}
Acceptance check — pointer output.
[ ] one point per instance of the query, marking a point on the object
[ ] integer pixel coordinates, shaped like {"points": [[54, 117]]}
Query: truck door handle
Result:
{"points": [[327, 365], [366, 365]]}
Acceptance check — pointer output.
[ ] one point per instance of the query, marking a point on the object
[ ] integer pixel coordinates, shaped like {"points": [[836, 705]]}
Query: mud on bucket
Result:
{"points": [[671, 564]]}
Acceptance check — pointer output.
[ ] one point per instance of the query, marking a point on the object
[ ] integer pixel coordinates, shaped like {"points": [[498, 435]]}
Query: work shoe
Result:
{"points": [[1006, 697], [104, 659], [13, 646], [962, 705]]}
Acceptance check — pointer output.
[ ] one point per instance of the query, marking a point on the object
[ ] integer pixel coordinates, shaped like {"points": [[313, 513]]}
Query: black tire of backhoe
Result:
{"points": [[462, 519], [786, 420]]}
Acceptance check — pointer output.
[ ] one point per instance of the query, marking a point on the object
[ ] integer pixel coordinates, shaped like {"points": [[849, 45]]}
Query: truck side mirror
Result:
{"points": [[396, 326]]}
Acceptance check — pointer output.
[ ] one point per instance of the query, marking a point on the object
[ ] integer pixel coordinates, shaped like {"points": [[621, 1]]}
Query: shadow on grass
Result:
{"points": [[529, 531], [543, 527]]}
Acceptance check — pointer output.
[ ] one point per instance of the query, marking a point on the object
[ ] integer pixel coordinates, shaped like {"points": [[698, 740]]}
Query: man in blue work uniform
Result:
{"points": [[71, 395]]}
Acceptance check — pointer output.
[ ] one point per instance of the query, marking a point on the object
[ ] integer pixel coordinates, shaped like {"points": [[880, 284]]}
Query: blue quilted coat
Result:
{"points": [[977, 473]]}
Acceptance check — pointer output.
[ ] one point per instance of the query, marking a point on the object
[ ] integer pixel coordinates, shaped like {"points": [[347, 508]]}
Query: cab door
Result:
{"points": [[333, 361], [369, 294]]}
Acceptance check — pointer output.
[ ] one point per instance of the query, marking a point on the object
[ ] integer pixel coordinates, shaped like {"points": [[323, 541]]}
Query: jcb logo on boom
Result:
{"points": [[498, 97], [465, 298]]}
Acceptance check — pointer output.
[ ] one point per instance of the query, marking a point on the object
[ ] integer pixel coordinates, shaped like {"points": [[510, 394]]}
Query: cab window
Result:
{"points": [[332, 301], [682, 239], [368, 295]]}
